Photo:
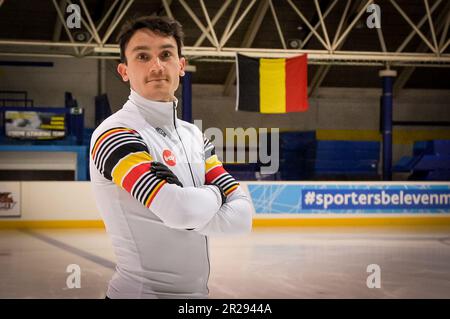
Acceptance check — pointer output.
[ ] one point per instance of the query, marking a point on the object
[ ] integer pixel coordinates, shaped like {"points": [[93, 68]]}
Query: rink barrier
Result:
{"points": [[260, 223]]}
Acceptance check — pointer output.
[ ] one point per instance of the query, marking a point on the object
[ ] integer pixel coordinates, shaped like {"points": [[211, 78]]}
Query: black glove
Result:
{"points": [[162, 171], [222, 193]]}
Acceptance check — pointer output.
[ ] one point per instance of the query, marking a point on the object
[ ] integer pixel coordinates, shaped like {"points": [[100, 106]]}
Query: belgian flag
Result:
{"points": [[272, 85]]}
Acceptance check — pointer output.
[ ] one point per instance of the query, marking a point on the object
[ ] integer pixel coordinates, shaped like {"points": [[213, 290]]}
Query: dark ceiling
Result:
{"points": [[35, 20]]}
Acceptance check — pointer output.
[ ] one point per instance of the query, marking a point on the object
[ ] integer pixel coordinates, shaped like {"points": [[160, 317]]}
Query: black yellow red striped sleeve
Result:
{"points": [[214, 171], [121, 155]]}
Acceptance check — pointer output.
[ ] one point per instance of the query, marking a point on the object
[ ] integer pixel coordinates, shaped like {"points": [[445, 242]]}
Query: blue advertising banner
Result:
{"points": [[34, 125], [350, 198]]}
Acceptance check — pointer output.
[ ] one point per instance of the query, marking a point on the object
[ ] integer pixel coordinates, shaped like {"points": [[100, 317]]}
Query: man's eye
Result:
{"points": [[166, 54], [142, 57]]}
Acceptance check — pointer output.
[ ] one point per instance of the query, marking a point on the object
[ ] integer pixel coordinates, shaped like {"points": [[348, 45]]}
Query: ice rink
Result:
{"points": [[302, 262]]}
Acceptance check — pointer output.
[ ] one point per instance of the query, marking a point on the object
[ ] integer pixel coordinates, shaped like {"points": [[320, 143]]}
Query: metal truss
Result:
{"points": [[433, 54]]}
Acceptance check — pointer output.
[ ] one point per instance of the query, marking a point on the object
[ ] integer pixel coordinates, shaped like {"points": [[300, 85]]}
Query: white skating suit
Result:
{"points": [[159, 230]]}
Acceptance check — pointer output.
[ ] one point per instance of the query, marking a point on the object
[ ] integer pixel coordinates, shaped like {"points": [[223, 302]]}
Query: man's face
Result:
{"points": [[153, 66]]}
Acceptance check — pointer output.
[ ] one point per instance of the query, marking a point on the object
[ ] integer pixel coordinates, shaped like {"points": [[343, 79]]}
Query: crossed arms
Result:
{"points": [[121, 156]]}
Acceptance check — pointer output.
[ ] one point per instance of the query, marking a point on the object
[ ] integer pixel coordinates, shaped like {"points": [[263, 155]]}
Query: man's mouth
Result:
{"points": [[157, 80]]}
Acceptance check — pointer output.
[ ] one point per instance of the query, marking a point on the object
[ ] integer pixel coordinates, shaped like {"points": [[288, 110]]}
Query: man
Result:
{"points": [[157, 181]]}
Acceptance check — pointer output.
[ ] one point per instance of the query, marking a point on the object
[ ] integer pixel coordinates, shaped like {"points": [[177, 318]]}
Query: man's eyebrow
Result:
{"points": [[167, 46], [146, 48]]}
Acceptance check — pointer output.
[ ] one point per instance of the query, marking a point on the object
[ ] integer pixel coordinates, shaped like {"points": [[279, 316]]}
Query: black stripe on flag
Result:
{"points": [[247, 83]]}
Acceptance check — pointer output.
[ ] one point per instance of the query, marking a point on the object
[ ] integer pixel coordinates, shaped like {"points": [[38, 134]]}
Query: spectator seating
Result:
{"points": [[430, 161]]}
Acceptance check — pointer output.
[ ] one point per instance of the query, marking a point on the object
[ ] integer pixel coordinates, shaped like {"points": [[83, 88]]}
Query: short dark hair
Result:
{"points": [[164, 26]]}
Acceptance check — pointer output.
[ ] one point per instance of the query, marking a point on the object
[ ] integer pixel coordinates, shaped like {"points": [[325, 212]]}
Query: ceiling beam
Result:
{"points": [[210, 25], [310, 34], [63, 22], [111, 51], [305, 21], [344, 19], [116, 20], [86, 25], [363, 7], [247, 42], [166, 4], [322, 23], [430, 22], [381, 39], [339, 40], [91, 23], [213, 22], [119, 11], [323, 70], [444, 34], [100, 25], [419, 25], [407, 72], [231, 21], [212, 53], [227, 35], [445, 46], [408, 20], [199, 24], [277, 24], [58, 25]]}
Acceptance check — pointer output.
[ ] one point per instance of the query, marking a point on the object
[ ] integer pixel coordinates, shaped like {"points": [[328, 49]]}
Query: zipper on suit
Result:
{"points": [[193, 181], [184, 149]]}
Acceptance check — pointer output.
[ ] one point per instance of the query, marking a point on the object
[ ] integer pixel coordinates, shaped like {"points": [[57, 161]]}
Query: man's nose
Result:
{"points": [[156, 65]]}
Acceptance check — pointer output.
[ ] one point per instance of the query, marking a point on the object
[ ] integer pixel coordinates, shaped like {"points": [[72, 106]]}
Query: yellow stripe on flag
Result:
{"points": [[272, 85], [126, 163]]}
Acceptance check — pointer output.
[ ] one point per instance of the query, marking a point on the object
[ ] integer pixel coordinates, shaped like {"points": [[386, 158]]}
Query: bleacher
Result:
{"points": [[296, 149], [430, 161], [303, 157], [347, 160]]}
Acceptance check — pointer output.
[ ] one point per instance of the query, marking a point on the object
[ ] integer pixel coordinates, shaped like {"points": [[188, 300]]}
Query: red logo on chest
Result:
{"points": [[169, 158]]}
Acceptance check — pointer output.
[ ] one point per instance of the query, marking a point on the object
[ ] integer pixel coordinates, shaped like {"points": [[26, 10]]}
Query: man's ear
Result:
{"points": [[182, 66], [122, 70]]}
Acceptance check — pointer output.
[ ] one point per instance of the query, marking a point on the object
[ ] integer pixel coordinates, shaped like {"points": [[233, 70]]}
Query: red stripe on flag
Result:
{"points": [[214, 173], [297, 84], [133, 176]]}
